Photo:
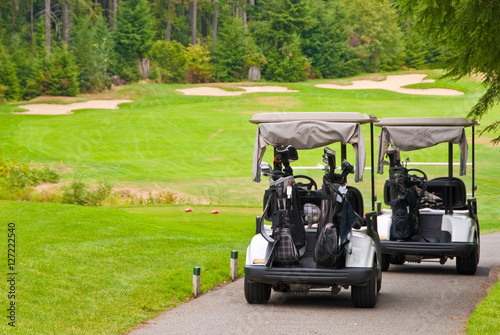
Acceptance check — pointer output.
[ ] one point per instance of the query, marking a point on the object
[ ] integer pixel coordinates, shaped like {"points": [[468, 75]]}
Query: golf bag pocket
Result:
{"points": [[285, 250], [326, 252]]}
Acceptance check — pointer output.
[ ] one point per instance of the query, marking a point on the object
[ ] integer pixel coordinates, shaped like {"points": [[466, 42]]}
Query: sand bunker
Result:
{"points": [[218, 92], [395, 84], [56, 109]]}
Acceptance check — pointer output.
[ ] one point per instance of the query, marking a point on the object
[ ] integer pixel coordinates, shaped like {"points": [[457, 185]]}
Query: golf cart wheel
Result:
{"points": [[467, 265], [366, 296], [379, 283], [257, 293], [386, 262]]}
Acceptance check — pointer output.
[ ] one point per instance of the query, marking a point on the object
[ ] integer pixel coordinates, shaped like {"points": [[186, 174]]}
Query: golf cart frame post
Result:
{"points": [[446, 230]]}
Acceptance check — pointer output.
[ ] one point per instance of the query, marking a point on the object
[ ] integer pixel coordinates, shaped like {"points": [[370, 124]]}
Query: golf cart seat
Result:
{"points": [[450, 191], [356, 200], [443, 187]]}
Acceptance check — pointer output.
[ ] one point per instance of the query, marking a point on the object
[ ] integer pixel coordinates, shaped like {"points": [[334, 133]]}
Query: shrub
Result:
{"points": [[169, 62], [75, 193], [199, 68], [18, 175], [79, 194], [131, 74], [17, 179]]}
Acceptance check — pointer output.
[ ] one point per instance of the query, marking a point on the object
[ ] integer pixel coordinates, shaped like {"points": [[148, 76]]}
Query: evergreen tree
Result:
{"points": [[92, 44], [277, 35], [231, 51], [133, 37], [325, 40], [9, 84], [288, 64], [57, 76]]}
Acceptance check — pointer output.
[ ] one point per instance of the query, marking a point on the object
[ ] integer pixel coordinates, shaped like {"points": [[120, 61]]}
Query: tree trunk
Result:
{"points": [[65, 22], [113, 15], [244, 15], [143, 67], [16, 11], [192, 20], [47, 28], [251, 2], [254, 73], [215, 11], [203, 27], [168, 35], [32, 27]]}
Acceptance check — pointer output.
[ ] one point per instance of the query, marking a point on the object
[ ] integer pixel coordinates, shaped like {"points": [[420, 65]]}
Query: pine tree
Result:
{"points": [[9, 84], [133, 37], [231, 51]]}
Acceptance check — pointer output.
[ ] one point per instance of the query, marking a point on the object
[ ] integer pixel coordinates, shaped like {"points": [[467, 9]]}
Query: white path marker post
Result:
{"points": [[196, 281], [234, 265]]}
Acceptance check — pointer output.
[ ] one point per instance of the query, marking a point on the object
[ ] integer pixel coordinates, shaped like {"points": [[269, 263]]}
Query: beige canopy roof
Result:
{"points": [[409, 134], [313, 116], [309, 131], [426, 121]]}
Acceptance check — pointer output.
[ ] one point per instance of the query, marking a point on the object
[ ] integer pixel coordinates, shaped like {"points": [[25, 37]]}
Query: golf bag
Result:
{"points": [[404, 205], [337, 217], [287, 223]]}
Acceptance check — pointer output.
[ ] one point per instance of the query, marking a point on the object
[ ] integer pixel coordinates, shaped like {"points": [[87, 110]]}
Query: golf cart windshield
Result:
{"points": [[409, 134], [309, 131]]}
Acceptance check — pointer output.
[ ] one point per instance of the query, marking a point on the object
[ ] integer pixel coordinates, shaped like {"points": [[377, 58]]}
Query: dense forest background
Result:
{"points": [[64, 47]]}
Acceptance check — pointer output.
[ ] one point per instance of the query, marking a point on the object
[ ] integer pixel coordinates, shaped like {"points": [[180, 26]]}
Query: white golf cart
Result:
{"points": [[318, 239], [428, 219]]}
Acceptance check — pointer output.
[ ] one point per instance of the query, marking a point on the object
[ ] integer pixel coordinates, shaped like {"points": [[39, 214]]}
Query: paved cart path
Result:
{"points": [[426, 298]]}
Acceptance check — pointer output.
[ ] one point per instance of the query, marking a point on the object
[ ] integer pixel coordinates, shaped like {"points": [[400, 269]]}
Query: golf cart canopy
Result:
{"points": [[309, 131], [415, 133]]}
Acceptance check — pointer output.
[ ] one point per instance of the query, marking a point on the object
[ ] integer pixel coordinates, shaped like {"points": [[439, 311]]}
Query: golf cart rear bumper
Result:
{"points": [[452, 249], [343, 277]]}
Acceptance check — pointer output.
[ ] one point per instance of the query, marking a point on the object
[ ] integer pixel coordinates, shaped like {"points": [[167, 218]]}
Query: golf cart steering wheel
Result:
{"points": [[309, 185], [424, 176]]}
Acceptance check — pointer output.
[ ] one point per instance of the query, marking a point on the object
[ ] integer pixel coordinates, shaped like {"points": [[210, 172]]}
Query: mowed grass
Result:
{"points": [[486, 317], [84, 270], [103, 270]]}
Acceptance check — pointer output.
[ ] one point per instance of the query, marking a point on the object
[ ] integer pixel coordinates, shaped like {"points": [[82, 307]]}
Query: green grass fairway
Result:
{"points": [[103, 270], [88, 270]]}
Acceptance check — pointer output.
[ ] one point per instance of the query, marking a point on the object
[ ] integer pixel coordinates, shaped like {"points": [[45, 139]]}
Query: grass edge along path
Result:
{"points": [[485, 320]]}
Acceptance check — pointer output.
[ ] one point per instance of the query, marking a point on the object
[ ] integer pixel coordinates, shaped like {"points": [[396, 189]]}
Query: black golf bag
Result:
{"points": [[403, 200], [288, 229], [282, 199], [337, 216]]}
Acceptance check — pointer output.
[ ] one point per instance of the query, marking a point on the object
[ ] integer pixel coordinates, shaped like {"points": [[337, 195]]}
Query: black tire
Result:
{"points": [[379, 283], [257, 293], [366, 296], [467, 265], [386, 262]]}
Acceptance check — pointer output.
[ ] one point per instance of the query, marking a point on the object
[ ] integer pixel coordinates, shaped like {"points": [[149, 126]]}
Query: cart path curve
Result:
{"points": [[426, 298]]}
